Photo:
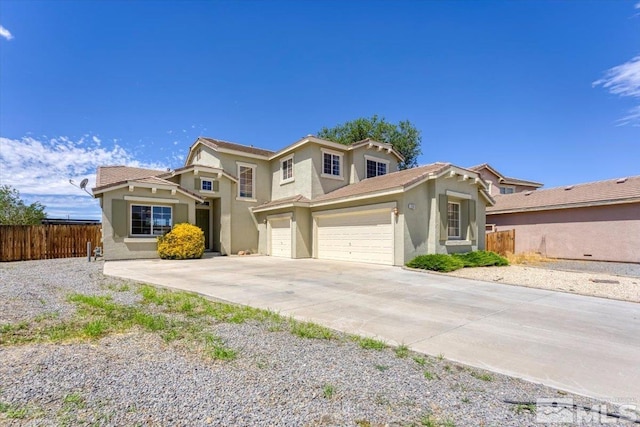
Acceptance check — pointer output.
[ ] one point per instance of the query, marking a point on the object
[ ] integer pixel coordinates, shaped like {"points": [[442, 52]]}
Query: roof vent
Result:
{"points": [[569, 187], [528, 193], [621, 181]]}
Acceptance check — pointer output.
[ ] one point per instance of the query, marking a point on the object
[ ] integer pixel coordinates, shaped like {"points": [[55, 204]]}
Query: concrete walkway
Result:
{"points": [[585, 345]]}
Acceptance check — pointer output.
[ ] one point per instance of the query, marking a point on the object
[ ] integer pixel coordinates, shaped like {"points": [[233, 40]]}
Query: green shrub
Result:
{"points": [[185, 241], [436, 262], [481, 259]]}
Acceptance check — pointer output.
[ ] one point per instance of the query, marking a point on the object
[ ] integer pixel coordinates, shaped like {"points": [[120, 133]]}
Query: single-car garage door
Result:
{"points": [[280, 237], [363, 236]]}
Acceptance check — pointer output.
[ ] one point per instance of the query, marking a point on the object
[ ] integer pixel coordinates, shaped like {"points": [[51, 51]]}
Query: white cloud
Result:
{"points": [[624, 80], [96, 139], [41, 168], [5, 33], [637, 6]]}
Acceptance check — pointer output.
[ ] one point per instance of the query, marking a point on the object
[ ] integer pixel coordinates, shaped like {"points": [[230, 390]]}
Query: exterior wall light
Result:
{"points": [[395, 211]]}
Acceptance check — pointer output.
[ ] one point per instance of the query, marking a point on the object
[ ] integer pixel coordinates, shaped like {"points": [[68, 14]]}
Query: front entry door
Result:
{"points": [[202, 221]]}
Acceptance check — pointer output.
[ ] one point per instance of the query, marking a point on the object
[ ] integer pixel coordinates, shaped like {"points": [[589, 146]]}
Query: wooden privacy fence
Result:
{"points": [[29, 242], [502, 241]]}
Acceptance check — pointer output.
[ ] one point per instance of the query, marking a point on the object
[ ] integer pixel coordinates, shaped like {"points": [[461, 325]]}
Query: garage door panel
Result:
{"points": [[365, 236], [280, 238]]}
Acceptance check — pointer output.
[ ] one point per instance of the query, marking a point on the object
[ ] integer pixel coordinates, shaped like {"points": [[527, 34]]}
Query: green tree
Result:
{"points": [[404, 136], [13, 211]]}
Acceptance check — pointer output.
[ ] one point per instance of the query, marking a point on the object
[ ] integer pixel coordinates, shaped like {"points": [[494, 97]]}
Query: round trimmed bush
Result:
{"points": [[184, 241]]}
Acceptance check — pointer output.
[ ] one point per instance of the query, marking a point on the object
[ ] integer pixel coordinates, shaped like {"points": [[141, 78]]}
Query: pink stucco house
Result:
{"points": [[591, 221]]}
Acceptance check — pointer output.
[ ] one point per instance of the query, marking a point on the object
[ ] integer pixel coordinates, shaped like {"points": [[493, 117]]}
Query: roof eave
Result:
{"points": [[566, 206]]}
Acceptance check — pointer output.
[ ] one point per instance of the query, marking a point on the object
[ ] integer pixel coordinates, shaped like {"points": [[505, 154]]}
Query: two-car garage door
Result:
{"points": [[362, 236]]}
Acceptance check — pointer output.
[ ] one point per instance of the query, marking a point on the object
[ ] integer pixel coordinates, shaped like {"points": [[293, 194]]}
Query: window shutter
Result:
{"points": [[119, 217], [464, 219], [442, 207], [473, 226], [196, 184], [180, 213], [215, 185]]}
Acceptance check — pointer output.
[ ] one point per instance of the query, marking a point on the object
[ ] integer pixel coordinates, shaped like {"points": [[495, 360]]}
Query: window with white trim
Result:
{"points": [[331, 164], [453, 220], [376, 168], [507, 190], [286, 166], [246, 181], [150, 220], [206, 185]]}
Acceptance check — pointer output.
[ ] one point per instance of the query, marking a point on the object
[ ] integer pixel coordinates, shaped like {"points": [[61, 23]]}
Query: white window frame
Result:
{"points": [[292, 177], [151, 234], [254, 168], [202, 181], [341, 164], [508, 187], [377, 160], [459, 235]]}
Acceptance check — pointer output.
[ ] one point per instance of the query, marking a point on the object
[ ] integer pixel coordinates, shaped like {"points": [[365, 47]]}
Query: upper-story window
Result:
{"points": [[376, 167], [286, 167], [507, 190], [331, 164], [246, 181], [209, 185]]}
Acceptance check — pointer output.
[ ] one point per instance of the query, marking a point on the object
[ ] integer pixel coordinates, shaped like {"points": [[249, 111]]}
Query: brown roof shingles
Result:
{"points": [[216, 143], [108, 175], [390, 181], [593, 193]]}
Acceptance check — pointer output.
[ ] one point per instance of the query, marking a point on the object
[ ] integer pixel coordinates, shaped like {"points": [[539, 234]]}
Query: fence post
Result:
{"points": [[89, 251]]}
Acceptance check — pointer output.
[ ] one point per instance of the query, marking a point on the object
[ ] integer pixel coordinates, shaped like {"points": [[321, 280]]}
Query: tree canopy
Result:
{"points": [[13, 211], [404, 136]]}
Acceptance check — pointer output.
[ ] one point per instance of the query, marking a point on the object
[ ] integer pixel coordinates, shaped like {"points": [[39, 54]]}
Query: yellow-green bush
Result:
{"points": [[185, 241]]}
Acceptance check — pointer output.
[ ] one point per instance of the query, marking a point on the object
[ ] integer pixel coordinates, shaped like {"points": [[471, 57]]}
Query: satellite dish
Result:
{"points": [[83, 183]]}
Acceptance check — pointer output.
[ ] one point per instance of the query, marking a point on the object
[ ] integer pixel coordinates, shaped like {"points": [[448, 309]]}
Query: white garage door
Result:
{"points": [[280, 237], [365, 236]]}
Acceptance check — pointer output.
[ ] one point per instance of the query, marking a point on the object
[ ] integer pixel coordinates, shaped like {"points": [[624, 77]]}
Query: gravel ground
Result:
{"points": [[278, 379], [613, 268], [546, 276]]}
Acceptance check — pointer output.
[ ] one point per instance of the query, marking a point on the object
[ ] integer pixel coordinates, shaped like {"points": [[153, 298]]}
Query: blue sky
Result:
{"points": [[542, 90]]}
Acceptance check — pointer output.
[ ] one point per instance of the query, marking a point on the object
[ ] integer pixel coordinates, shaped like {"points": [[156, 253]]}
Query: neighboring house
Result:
{"points": [[594, 221], [314, 198], [500, 184]]}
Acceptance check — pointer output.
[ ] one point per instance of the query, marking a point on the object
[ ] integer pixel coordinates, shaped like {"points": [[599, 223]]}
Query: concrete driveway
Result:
{"points": [[585, 345]]}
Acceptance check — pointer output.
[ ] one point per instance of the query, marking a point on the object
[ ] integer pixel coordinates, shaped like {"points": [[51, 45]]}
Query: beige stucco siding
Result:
{"points": [[359, 161], [302, 174], [321, 184], [469, 188], [417, 228], [127, 247], [604, 233]]}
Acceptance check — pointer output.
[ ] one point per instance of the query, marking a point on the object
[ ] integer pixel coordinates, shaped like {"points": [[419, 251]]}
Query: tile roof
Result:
{"points": [[216, 143], [112, 176], [108, 175], [390, 181], [593, 193]]}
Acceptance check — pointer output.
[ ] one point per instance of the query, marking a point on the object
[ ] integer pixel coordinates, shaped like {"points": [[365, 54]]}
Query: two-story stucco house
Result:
{"points": [[313, 198], [500, 184]]}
